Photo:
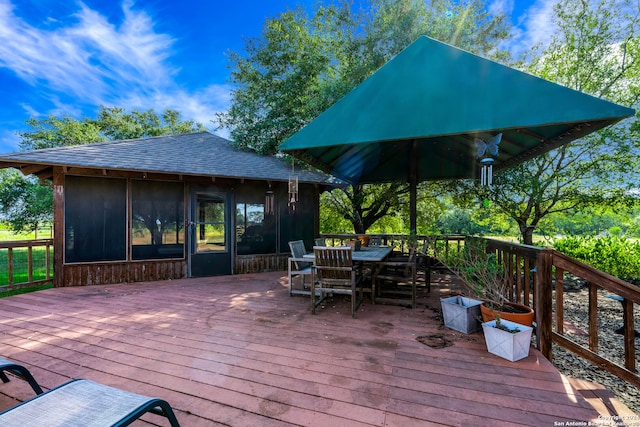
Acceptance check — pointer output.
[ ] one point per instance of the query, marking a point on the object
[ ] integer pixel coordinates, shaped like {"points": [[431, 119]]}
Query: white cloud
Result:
{"points": [[531, 26], [9, 141], [91, 61]]}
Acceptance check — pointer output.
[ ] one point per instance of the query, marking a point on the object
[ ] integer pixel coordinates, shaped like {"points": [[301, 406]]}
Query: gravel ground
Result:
{"points": [[610, 344]]}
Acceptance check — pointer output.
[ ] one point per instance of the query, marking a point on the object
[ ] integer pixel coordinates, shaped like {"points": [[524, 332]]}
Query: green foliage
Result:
{"points": [[616, 255], [116, 123], [480, 270], [363, 205], [25, 203], [595, 50], [25, 290], [21, 263], [302, 64], [57, 132], [111, 123]]}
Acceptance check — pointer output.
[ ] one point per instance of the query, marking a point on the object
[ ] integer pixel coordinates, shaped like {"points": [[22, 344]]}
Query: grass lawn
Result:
{"points": [[25, 290], [6, 235], [20, 265]]}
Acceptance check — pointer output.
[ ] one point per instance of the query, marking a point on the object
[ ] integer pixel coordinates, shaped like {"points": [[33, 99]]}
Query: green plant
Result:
{"points": [[502, 327], [616, 255], [481, 271]]}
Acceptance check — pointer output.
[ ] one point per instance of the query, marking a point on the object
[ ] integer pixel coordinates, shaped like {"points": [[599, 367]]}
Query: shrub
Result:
{"points": [[615, 255]]}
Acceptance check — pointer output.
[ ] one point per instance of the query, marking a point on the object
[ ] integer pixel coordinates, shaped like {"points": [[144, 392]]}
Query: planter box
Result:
{"points": [[510, 346], [461, 314]]}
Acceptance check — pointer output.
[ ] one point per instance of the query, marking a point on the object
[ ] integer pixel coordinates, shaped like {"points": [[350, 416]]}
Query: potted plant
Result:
{"points": [[487, 278], [506, 339], [461, 313]]}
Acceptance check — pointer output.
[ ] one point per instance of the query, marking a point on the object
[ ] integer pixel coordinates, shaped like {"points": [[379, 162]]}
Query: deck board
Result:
{"points": [[239, 351]]}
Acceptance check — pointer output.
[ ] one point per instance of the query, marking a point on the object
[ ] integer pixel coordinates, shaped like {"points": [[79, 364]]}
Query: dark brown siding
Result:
{"points": [[260, 263], [103, 274]]}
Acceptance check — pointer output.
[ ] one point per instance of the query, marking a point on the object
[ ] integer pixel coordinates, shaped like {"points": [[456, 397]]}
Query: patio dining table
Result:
{"points": [[365, 254]]}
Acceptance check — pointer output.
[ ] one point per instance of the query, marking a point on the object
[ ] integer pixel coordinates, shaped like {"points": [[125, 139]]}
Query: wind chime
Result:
{"points": [[485, 150], [293, 190], [269, 201]]}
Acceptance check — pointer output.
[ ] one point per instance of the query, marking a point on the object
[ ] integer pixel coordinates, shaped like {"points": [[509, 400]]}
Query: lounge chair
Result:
{"points": [[84, 403], [19, 371]]}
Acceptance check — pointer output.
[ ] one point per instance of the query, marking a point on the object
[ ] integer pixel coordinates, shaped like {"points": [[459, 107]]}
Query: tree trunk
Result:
{"points": [[526, 231]]}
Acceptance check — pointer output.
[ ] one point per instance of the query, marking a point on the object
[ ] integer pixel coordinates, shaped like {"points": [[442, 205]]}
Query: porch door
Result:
{"points": [[210, 245]]}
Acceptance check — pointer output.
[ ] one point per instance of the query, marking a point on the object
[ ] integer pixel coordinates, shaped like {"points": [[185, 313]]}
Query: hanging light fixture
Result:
{"points": [[269, 202], [293, 189], [484, 151]]}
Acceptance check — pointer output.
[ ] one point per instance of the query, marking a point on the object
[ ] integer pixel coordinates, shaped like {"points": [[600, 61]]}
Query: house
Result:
{"points": [[171, 207]]}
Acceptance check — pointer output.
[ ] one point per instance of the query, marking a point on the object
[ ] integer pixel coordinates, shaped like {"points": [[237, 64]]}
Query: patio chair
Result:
{"points": [[424, 263], [320, 241], [299, 267], [375, 241], [336, 274], [394, 282], [20, 372], [82, 402]]}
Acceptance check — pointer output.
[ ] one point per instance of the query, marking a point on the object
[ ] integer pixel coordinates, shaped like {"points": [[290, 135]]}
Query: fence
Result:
{"points": [[25, 263], [536, 277]]}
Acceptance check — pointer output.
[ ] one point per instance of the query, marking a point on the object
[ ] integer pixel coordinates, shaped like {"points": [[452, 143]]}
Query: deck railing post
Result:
{"points": [[544, 302]]}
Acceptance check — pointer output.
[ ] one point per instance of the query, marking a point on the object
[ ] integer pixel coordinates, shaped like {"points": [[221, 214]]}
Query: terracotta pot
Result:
{"points": [[525, 318], [355, 244], [364, 240]]}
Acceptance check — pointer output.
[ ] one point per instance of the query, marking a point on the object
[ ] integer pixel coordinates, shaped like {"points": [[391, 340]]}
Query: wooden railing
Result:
{"points": [[9, 252], [400, 242], [536, 278]]}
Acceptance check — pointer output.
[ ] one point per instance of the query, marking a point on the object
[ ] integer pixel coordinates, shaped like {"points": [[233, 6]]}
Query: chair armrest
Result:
{"points": [[309, 260]]}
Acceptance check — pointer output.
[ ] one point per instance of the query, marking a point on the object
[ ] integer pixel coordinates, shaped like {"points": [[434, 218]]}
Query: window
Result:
{"points": [[255, 230], [157, 220], [95, 219], [210, 224]]}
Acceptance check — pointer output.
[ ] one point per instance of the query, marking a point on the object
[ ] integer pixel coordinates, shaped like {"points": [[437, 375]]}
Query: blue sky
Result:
{"points": [[68, 57]]}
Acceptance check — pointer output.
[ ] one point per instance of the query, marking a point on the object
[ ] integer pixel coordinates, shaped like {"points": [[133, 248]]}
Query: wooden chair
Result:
{"points": [[424, 263], [20, 372], [299, 267], [394, 282], [320, 241], [375, 241], [336, 274]]}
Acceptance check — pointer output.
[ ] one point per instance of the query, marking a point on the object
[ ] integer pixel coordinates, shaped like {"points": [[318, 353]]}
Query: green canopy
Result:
{"points": [[429, 103], [417, 119]]}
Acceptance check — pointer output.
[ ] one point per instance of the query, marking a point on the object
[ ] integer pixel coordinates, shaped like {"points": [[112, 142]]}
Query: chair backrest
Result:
{"points": [[333, 263], [375, 241], [321, 241], [411, 260], [297, 251]]}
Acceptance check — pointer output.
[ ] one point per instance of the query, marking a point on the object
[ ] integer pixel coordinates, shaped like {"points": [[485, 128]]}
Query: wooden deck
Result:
{"points": [[238, 351]]}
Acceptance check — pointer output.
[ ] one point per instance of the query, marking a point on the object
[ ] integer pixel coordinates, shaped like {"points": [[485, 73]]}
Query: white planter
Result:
{"points": [[508, 345], [461, 314]]}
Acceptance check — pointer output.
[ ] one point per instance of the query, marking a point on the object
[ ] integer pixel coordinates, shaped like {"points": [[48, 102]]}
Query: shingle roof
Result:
{"points": [[202, 154]]}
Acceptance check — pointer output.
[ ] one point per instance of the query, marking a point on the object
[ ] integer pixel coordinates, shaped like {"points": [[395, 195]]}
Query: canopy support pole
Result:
{"points": [[413, 188]]}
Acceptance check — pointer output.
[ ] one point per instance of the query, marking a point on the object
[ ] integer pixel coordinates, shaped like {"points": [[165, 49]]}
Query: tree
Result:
{"points": [[301, 65], [363, 208], [595, 50], [111, 123], [24, 202]]}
